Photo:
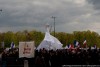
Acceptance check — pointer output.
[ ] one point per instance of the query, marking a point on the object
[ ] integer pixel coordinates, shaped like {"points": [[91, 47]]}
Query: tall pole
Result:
{"points": [[3, 45], [0, 9], [54, 23]]}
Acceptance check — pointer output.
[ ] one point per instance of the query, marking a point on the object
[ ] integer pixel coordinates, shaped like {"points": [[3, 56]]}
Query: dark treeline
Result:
{"points": [[37, 36]]}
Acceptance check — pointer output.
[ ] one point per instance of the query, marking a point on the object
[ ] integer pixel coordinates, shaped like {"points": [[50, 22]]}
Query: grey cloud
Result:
{"points": [[95, 3], [34, 14]]}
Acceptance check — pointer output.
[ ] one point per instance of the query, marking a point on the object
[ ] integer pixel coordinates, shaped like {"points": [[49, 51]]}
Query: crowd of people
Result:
{"points": [[51, 58]]}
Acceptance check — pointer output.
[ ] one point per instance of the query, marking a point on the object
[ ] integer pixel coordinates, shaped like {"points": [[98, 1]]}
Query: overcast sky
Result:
{"points": [[71, 15]]}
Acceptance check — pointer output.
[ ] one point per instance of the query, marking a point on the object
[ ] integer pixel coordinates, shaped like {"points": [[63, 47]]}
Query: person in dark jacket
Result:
{"points": [[4, 59]]}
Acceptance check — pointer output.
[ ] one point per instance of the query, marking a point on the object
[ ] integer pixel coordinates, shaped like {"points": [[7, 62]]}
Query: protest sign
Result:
{"points": [[26, 49]]}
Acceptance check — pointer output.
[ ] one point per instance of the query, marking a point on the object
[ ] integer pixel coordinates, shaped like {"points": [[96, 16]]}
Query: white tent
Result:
{"points": [[49, 42]]}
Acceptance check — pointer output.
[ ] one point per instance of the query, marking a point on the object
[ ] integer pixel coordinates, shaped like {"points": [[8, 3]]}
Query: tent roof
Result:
{"points": [[50, 42]]}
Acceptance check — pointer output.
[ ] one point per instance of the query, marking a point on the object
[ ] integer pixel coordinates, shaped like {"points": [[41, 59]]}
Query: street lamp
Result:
{"points": [[3, 36], [54, 23], [0, 9]]}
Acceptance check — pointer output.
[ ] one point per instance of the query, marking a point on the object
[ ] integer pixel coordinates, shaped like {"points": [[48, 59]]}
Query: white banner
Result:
{"points": [[26, 49]]}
